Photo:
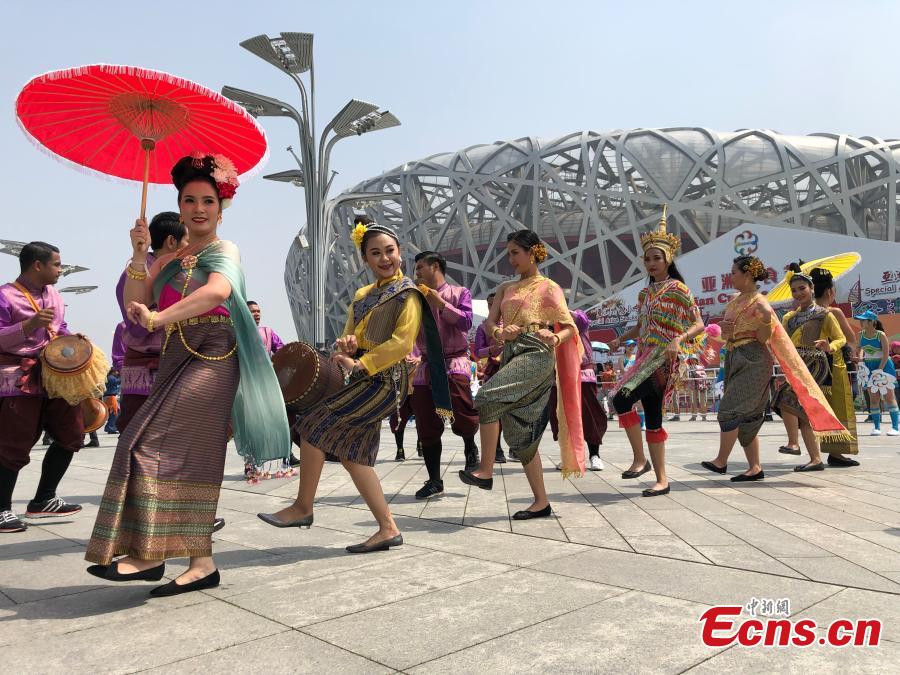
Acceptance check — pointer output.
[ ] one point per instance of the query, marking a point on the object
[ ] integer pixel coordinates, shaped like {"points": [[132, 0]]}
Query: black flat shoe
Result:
{"points": [[528, 515], [275, 521], [834, 460], [171, 588], [635, 474], [810, 467], [383, 545], [218, 524], [743, 478], [785, 450], [650, 492], [111, 573], [709, 466], [472, 479]]}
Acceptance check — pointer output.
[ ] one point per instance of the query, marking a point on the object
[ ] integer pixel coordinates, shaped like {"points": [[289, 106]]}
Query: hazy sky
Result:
{"points": [[456, 74]]}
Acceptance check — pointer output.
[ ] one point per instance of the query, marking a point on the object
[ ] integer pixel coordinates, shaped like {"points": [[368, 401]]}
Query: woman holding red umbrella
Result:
{"points": [[163, 487]]}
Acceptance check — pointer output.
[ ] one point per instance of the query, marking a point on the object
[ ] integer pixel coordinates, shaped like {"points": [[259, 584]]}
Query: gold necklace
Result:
{"points": [[188, 263]]}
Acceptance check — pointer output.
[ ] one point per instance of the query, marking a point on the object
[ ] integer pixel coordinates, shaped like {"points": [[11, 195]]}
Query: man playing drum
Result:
{"points": [[452, 309], [31, 313]]}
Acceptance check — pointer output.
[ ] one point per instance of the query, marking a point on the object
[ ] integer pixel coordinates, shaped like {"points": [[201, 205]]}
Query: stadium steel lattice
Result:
{"points": [[590, 196]]}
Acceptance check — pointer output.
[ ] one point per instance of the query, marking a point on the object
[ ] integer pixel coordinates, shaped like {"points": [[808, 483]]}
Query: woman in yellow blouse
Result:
{"points": [[382, 325], [818, 338]]}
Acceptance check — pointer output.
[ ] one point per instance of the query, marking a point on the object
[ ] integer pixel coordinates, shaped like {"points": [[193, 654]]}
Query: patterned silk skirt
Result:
{"points": [[347, 424], [748, 371], [517, 394], [163, 488], [819, 365]]}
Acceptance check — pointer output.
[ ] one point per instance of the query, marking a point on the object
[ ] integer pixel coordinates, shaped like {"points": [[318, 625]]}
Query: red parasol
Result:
{"points": [[135, 123]]}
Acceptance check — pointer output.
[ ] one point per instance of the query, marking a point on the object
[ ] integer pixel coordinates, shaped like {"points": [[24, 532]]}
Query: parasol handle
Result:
{"points": [[147, 144]]}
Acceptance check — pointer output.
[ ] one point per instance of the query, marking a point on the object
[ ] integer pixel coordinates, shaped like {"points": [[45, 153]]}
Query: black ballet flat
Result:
{"points": [[382, 545], [810, 467], [171, 588], [785, 450], [472, 479], [640, 472], [528, 515], [743, 477], [272, 519], [650, 492], [218, 524], [111, 573], [712, 467], [834, 460]]}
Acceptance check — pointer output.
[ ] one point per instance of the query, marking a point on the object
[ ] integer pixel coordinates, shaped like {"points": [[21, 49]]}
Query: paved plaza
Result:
{"points": [[615, 583]]}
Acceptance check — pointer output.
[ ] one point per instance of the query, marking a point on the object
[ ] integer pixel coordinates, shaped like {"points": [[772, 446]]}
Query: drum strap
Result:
{"points": [[34, 305]]}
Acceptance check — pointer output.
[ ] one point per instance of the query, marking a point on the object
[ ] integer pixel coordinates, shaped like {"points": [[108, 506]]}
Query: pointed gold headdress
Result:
{"points": [[665, 241]]}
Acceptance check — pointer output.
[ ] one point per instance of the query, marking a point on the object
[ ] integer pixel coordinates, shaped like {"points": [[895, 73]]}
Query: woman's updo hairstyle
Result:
{"points": [[529, 241], [753, 266], [186, 170], [798, 275], [822, 281]]}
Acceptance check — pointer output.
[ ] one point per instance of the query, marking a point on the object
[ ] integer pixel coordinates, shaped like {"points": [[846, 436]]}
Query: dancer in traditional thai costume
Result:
{"points": [[818, 337], [451, 307], [32, 312], [669, 320], [539, 337], [593, 418], [382, 325], [167, 234], [747, 367], [879, 375], [840, 396], [160, 499]]}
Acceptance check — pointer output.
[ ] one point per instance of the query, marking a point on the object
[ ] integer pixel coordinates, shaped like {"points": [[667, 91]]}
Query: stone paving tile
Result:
{"points": [[853, 548], [33, 541], [458, 617], [768, 538], [746, 557], [104, 605], [695, 582], [608, 637], [889, 538], [302, 603], [694, 529], [839, 571], [289, 652], [48, 574], [604, 537], [145, 642], [666, 546]]}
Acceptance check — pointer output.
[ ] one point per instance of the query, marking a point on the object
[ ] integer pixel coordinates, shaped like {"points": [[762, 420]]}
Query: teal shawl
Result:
{"points": [[258, 416]]}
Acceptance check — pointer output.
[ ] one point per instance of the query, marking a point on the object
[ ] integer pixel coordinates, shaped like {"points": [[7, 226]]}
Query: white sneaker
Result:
{"points": [[893, 432], [596, 464], [875, 432]]}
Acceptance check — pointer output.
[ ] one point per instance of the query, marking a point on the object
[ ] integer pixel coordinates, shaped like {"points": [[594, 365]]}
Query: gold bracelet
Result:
{"points": [[150, 321], [132, 274], [496, 330], [558, 339]]}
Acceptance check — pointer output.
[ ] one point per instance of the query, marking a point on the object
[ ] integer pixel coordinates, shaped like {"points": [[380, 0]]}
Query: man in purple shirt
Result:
{"points": [[269, 337], [140, 349], [31, 314], [452, 309]]}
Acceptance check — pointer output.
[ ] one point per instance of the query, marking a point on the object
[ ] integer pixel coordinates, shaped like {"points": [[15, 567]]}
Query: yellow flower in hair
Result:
{"points": [[358, 233], [540, 252]]}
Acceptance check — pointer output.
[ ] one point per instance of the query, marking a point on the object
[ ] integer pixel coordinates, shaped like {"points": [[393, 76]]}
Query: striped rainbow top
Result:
{"points": [[664, 313]]}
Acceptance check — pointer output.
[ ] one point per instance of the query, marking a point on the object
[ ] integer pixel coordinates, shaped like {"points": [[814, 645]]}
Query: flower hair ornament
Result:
{"points": [[756, 268], [218, 167], [359, 231], [539, 251]]}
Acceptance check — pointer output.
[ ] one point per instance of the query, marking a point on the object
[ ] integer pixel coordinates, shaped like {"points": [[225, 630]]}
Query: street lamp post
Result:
{"points": [[292, 53]]}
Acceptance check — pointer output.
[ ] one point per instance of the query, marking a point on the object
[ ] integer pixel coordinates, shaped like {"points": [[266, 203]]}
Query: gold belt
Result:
{"points": [[534, 328], [206, 318], [739, 342]]}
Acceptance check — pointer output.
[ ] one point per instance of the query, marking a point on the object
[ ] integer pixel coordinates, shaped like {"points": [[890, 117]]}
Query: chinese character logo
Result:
{"points": [[746, 243]]}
